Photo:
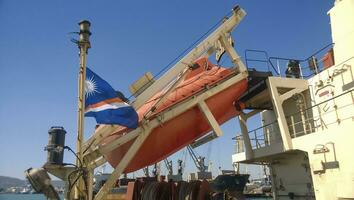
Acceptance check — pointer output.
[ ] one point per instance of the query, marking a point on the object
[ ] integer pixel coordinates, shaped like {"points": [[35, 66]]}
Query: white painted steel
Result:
{"points": [[210, 118]]}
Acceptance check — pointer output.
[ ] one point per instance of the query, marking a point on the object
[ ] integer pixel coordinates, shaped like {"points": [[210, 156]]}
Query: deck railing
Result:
{"points": [[321, 119], [260, 60], [260, 137], [308, 123], [305, 70]]}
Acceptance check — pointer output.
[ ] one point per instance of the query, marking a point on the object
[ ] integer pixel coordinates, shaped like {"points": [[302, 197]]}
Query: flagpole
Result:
{"points": [[84, 45]]}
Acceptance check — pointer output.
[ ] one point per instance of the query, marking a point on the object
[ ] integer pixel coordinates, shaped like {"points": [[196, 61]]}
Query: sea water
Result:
{"points": [[22, 197], [41, 197]]}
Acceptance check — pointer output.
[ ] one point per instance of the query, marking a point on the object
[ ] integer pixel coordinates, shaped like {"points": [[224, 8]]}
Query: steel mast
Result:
{"points": [[84, 45]]}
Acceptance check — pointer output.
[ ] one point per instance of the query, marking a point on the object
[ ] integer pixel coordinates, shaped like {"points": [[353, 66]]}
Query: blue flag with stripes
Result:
{"points": [[103, 103]]}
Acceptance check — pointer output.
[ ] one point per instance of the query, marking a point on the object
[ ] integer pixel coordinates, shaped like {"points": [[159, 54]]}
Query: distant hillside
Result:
{"points": [[6, 182]]}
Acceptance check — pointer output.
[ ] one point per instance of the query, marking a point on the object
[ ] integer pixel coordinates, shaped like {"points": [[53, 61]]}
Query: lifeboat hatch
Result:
{"points": [[257, 96]]}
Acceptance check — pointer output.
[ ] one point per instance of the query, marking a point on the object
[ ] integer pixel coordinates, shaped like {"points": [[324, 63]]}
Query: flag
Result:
{"points": [[103, 103]]}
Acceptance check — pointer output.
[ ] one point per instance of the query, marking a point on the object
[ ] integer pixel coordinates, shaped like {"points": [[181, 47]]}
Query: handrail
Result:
{"points": [[270, 59], [307, 123], [308, 108], [260, 138], [317, 52], [312, 119], [263, 126], [258, 60]]}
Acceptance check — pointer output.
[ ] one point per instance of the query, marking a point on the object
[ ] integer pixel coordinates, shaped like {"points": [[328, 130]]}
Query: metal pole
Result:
{"points": [[84, 45], [278, 66], [293, 125], [301, 75]]}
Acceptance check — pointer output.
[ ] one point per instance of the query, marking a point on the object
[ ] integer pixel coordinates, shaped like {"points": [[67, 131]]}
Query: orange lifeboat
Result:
{"points": [[185, 128]]}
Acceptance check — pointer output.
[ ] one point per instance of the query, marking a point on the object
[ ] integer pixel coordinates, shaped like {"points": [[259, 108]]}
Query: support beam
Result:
{"points": [[291, 93], [203, 140], [90, 175], [296, 86], [279, 111], [122, 164], [235, 58], [252, 113], [96, 163], [210, 118], [90, 184], [103, 149], [90, 168], [217, 132], [243, 117], [283, 126], [246, 139], [100, 133]]}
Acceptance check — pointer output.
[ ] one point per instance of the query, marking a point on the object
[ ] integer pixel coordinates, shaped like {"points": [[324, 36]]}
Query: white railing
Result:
{"points": [[301, 123], [260, 137], [314, 118]]}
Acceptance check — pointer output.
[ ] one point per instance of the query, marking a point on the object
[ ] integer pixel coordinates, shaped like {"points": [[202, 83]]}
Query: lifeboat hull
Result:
{"points": [[185, 128]]}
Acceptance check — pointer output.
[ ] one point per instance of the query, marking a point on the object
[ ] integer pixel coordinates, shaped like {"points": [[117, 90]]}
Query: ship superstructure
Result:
{"points": [[307, 116]]}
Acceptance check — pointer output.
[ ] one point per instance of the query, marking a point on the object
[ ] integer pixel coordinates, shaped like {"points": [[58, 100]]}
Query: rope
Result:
{"points": [[185, 51]]}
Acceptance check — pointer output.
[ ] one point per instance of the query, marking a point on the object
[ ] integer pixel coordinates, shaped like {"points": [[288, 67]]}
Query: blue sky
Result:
{"points": [[39, 64]]}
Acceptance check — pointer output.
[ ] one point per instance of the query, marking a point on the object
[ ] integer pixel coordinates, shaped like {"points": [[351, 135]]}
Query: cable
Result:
{"points": [[82, 173], [69, 181], [77, 157], [88, 147], [184, 51]]}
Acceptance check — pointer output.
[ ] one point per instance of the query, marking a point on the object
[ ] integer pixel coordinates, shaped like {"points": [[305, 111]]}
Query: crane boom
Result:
{"points": [[198, 160], [168, 165]]}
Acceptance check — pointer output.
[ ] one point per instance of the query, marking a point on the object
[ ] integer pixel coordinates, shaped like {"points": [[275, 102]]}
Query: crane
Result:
{"points": [[199, 161], [180, 167], [156, 170], [169, 166], [146, 171]]}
